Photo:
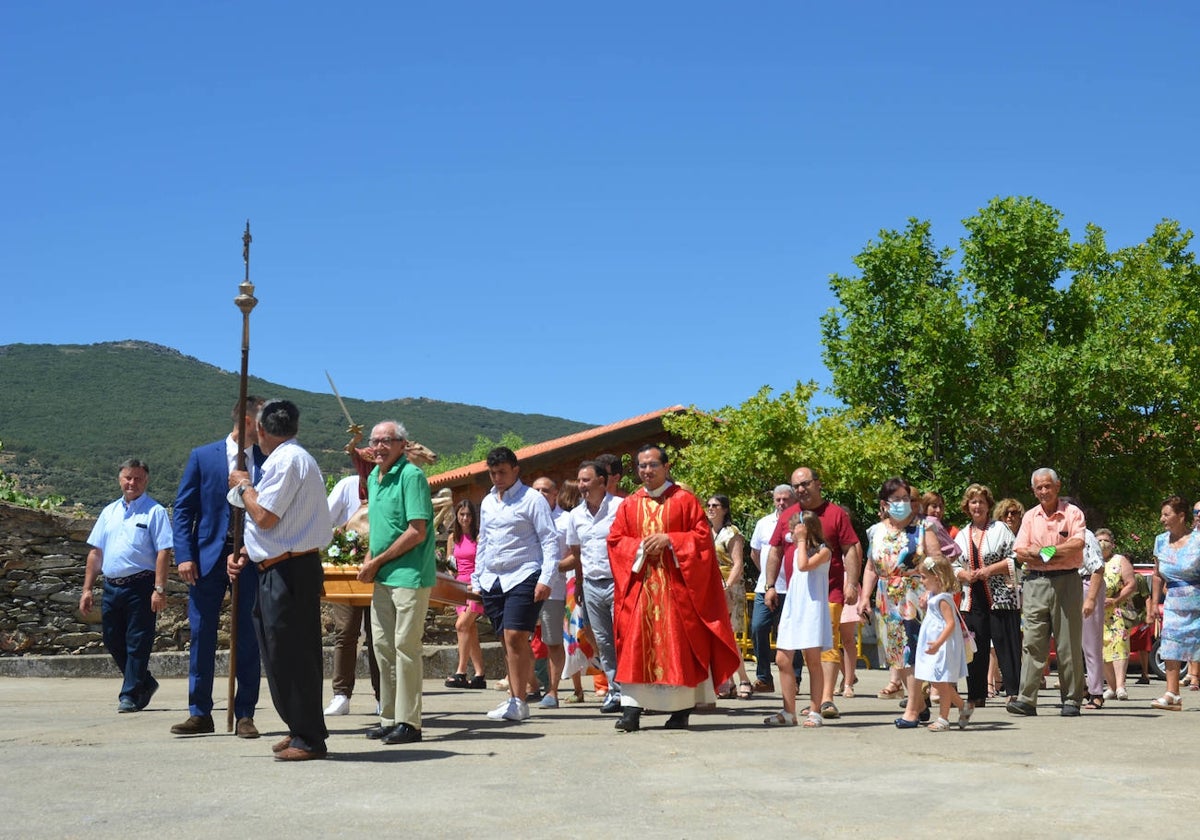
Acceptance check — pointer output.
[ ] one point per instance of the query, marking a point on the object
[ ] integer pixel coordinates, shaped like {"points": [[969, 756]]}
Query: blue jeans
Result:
{"points": [[763, 622], [127, 623], [204, 616]]}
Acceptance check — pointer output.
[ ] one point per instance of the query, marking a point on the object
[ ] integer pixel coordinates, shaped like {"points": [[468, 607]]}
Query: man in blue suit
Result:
{"points": [[203, 540]]}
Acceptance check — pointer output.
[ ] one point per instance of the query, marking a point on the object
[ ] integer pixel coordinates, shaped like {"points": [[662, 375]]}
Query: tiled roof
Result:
{"points": [[470, 471]]}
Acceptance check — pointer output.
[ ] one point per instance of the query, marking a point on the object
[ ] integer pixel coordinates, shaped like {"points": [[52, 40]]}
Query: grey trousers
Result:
{"points": [[598, 604], [1053, 606]]}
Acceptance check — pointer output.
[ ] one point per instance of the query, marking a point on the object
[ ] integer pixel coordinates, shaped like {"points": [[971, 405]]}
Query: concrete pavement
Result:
{"points": [[71, 767]]}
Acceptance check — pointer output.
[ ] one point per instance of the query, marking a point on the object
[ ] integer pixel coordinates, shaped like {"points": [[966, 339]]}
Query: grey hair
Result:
{"points": [[1043, 471], [133, 464], [398, 428], [784, 488]]}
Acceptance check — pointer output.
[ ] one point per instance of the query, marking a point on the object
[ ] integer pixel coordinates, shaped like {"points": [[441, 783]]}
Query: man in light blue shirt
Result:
{"points": [[516, 562], [131, 545]]}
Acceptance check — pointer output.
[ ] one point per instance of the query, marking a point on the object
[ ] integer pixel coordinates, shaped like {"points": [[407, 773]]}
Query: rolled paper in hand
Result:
{"points": [[1047, 553]]}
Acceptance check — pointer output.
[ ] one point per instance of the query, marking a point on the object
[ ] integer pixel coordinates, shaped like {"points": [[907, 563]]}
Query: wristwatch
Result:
{"points": [[161, 590]]}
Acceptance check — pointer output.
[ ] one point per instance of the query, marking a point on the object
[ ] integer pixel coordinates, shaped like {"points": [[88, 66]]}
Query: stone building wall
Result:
{"points": [[42, 557]]}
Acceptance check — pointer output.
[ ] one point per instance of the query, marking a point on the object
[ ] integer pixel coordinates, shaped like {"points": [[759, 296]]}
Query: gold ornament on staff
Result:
{"points": [[245, 301]]}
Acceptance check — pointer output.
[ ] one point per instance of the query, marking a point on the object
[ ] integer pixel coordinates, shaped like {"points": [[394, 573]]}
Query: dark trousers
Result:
{"points": [[1001, 628], [127, 623], [288, 620], [204, 617], [348, 622]]}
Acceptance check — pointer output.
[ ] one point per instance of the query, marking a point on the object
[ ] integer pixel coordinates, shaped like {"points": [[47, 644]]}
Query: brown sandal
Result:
{"points": [[892, 689]]}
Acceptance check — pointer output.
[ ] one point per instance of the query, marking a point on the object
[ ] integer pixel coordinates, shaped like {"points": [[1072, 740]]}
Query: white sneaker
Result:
{"points": [[339, 705], [1109, 694], [520, 712], [500, 711], [514, 709]]}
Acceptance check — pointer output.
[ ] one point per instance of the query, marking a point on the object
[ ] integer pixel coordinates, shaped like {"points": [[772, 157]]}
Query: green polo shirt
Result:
{"points": [[401, 495]]}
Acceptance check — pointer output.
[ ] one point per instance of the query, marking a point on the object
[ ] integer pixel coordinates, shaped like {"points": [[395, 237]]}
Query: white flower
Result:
{"points": [[352, 536], [334, 551]]}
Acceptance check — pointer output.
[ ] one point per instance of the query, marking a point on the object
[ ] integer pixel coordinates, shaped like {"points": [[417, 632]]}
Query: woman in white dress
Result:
{"points": [[804, 624]]}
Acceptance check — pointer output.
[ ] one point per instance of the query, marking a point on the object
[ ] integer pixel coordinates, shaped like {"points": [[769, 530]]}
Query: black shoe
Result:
{"points": [[678, 720], [378, 733], [1020, 707], [477, 681], [194, 725], [904, 723], [631, 720], [148, 693], [612, 704], [1070, 709], [403, 734], [1143, 681], [126, 705], [923, 717], [456, 681], [534, 697]]}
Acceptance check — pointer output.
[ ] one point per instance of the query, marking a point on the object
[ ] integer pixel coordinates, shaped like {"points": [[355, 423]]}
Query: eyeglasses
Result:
{"points": [[803, 485], [1195, 511], [714, 505], [649, 465], [385, 441], [1012, 514]]}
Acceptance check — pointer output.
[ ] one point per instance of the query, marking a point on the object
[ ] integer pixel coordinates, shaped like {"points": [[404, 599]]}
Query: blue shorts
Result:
{"points": [[514, 609]]}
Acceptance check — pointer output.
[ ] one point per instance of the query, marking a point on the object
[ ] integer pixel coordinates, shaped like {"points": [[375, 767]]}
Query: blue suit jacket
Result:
{"points": [[201, 515]]}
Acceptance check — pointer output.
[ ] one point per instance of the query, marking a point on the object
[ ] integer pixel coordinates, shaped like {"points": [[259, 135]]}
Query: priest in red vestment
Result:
{"points": [[670, 623]]}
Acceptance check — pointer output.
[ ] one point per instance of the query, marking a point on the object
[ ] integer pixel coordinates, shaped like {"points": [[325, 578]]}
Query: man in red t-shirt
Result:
{"points": [[845, 566]]}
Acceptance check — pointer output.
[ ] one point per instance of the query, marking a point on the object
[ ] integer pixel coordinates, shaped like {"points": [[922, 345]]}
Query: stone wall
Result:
{"points": [[42, 557]]}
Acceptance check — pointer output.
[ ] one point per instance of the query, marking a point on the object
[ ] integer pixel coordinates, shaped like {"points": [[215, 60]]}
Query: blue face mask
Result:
{"points": [[899, 510]]}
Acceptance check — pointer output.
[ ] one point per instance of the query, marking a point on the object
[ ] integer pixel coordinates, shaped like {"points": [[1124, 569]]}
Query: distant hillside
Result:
{"points": [[70, 413]]}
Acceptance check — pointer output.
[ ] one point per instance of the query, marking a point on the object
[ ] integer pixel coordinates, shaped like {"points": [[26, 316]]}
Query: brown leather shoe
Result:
{"points": [[246, 728], [194, 725], [763, 687], [297, 754], [282, 744]]}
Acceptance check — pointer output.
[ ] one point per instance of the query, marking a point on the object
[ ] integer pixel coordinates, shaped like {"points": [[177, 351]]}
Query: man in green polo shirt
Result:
{"points": [[402, 563]]}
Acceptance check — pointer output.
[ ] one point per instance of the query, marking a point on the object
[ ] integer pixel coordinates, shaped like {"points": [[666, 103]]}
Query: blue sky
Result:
{"points": [[586, 210]]}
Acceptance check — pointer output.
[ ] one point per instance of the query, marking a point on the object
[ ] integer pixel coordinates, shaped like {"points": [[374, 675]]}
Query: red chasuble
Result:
{"points": [[670, 621]]}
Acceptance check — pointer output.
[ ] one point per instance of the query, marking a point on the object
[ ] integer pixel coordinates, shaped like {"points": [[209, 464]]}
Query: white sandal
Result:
{"points": [[780, 719], [939, 725], [1168, 702], [814, 720]]}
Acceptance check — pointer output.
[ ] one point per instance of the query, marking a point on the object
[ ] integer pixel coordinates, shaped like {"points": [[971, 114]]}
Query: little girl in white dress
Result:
{"points": [[804, 624], [941, 647]]}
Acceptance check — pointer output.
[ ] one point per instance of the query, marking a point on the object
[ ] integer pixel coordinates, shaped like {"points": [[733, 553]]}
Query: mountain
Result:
{"points": [[70, 413]]}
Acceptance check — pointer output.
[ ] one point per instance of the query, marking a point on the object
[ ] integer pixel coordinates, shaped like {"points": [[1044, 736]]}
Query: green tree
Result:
{"points": [[744, 451], [896, 344], [1040, 352]]}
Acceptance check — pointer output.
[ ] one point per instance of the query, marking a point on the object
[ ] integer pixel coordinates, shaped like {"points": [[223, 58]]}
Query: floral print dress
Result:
{"points": [[1116, 634], [897, 592]]}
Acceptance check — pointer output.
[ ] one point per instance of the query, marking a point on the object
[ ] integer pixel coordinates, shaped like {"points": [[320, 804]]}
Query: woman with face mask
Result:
{"points": [[895, 545]]}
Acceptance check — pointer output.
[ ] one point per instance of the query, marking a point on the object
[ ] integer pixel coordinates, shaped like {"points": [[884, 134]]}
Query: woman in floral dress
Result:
{"points": [[894, 546], [1119, 586], [1177, 565]]}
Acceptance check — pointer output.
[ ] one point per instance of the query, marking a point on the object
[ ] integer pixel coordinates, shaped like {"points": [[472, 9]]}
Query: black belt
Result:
{"points": [[1051, 574], [124, 581]]}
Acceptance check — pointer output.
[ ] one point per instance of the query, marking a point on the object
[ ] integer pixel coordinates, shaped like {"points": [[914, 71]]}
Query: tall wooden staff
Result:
{"points": [[245, 301]]}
